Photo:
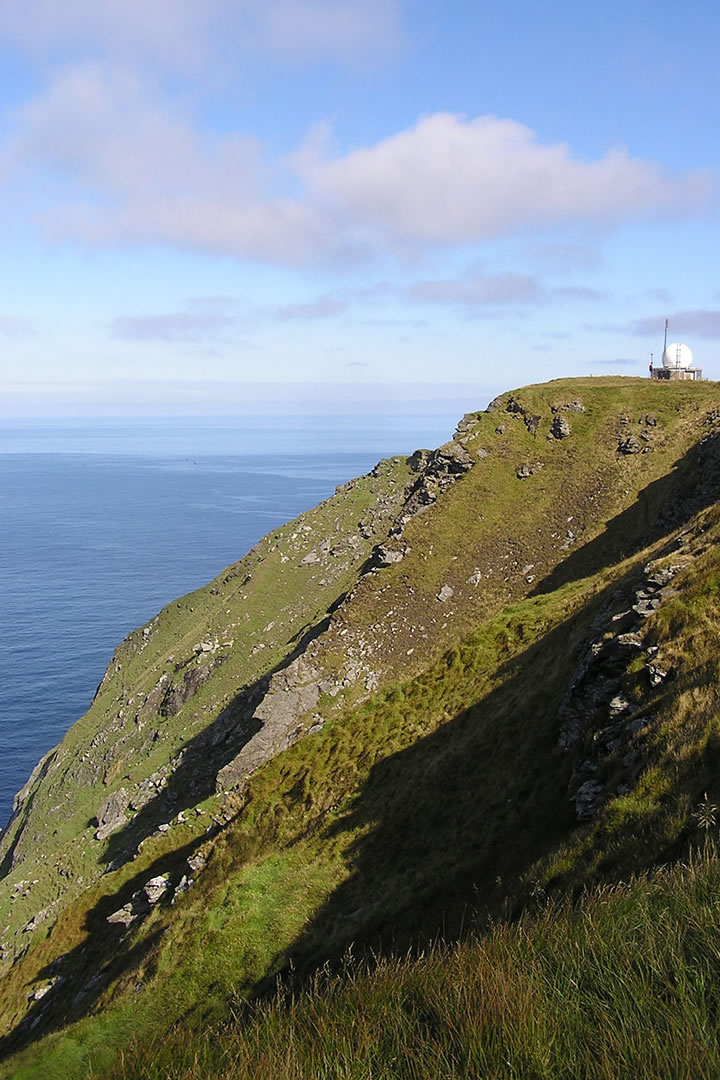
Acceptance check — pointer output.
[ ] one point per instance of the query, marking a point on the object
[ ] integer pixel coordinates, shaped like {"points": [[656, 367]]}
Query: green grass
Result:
{"points": [[624, 984], [439, 795]]}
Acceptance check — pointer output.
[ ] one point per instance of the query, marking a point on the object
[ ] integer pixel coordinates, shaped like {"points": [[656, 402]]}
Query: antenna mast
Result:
{"points": [[665, 342]]}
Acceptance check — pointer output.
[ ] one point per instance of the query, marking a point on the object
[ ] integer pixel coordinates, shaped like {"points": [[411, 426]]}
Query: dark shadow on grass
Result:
{"points": [[664, 505], [446, 831], [449, 826], [108, 951]]}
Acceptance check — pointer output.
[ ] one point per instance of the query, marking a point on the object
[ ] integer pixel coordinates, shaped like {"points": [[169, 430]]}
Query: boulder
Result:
{"points": [[560, 428]]}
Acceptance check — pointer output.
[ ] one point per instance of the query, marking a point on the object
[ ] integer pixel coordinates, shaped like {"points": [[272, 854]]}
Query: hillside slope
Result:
{"points": [[473, 675]]}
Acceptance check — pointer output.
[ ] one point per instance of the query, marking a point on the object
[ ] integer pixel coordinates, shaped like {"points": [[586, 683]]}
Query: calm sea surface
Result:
{"points": [[101, 525]]}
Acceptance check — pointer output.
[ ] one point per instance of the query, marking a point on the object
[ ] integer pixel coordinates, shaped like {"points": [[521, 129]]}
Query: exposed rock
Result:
{"points": [[523, 471], [196, 862], [646, 606], [631, 641], [531, 420], [310, 558], [630, 445], [560, 428], [384, 555], [155, 888], [657, 674], [193, 678], [475, 578], [38, 918], [446, 593], [111, 814], [587, 800], [575, 406], [618, 705], [142, 902], [292, 692]]}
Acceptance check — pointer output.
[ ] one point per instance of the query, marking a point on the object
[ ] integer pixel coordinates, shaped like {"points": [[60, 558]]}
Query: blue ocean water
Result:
{"points": [[103, 524]]}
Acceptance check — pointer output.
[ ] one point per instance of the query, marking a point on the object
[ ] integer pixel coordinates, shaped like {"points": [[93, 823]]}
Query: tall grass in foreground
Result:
{"points": [[625, 984]]}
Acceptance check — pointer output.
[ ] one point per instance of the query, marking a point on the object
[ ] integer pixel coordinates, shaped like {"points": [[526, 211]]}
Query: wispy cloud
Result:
{"points": [[477, 290], [187, 36], [12, 327], [173, 327], [704, 323], [566, 258], [325, 307]]}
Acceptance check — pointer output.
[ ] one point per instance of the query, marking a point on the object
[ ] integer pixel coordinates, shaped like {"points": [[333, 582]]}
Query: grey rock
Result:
{"points": [[111, 814], [445, 594], [630, 641], [586, 799], [523, 471], [630, 445], [560, 428], [645, 608], [292, 692], [475, 578], [384, 555], [618, 705], [310, 558], [656, 674], [155, 888]]}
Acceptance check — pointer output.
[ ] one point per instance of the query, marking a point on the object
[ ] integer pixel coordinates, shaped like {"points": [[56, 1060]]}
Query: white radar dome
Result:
{"points": [[677, 357]]}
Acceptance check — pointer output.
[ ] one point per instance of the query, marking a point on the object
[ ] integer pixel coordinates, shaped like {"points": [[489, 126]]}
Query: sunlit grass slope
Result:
{"points": [[439, 804]]}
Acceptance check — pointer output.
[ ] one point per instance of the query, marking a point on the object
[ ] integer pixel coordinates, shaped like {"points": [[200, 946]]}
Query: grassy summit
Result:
{"points": [[468, 687]]}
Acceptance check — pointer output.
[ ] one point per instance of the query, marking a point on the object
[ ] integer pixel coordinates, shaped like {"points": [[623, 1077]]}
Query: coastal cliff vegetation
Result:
{"points": [[424, 785]]}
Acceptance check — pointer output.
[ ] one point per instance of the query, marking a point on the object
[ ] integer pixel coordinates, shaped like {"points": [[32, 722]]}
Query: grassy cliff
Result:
{"points": [[465, 690]]}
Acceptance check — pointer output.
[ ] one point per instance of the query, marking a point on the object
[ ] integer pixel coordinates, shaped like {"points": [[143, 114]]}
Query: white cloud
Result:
{"points": [[109, 163], [188, 35], [451, 181], [120, 168]]}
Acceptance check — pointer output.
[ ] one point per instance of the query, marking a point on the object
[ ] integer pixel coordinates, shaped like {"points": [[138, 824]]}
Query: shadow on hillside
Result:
{"points": [[440, 835], [83, 973], [664, 505], [193, 778], [446, 830], [442, 832]]}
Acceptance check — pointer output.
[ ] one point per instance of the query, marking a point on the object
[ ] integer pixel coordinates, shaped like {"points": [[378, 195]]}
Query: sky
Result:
{"points": [[218, 206]]}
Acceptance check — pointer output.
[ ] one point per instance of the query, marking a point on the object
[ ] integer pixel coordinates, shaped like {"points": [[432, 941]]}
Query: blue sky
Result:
{"points": [[223, 205]]}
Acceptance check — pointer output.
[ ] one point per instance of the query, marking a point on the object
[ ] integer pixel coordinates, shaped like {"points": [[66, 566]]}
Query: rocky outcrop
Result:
{"points": [[597, 720], [291, 694], [142, 902], [111, 814], [560, 428]]}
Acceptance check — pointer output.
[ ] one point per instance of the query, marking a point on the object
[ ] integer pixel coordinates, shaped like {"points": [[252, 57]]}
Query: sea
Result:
{"points": [[103, 523]]}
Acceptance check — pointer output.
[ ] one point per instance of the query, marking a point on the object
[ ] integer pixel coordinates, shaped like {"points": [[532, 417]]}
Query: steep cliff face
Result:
{"points": [[460, 650]]}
